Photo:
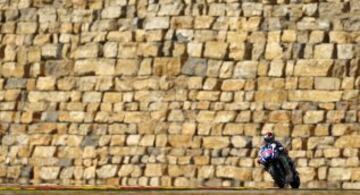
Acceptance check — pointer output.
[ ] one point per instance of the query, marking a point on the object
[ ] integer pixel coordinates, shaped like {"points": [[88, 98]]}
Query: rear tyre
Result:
{"points": [[277, 175]]}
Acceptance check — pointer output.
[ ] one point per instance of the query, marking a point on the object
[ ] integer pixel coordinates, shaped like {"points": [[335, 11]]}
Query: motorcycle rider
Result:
{"points": [[269, 141]]}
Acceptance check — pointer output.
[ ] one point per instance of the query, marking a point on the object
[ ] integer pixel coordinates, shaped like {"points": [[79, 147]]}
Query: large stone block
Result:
{"points": [[128, 67], [277, 68], [306, 173], [274, 96], [246, 69], [327, 83], [95, 66], [273, 51], [154, 170], [314, 117], [240, 141], [195, 66], [208, 95], [167, 66], [339, 174], [58, 67], [224, 116], [315, 95], [106, 171], [215, 50], [49, 173], [205, 116], [242, 174], [314, 142], [348, 141], [51, 51], [279, 116], [46, 83], [323, 51], [152, 23], [44, 151], [176, 115], [171, 9], [215, 142], [313, 67], [233, 84], [26, 27], [111, 12], [345, 51], [86, 51], [180, 141]]}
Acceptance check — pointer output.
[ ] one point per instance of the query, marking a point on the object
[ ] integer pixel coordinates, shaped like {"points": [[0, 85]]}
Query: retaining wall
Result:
{"points": [[178, 92]]}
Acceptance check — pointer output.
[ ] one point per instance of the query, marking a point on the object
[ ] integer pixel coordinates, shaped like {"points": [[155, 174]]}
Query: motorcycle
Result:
{"points": [[269, 158]]}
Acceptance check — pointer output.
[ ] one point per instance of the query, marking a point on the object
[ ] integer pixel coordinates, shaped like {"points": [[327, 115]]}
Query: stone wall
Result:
{"points": [[178, 92]]}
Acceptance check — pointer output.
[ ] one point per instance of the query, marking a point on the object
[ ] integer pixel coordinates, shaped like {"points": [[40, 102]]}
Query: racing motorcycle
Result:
{"points": [[269, 158]]}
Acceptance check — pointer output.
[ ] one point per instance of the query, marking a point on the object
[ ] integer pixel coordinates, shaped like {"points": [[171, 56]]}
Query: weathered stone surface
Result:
{"points": [[215, 50], [312, 67], [127, 67], [195, 66], [176, 115], [279, 116], [339, 174], [51, 50], [345, 51], [240, 141], [313, 117], [49, 173], [233, 84], [87, 51], [273, 51], [246, 69], [14, 83], [98, 67], [323, 51], [157, 23], [106, 171], [26, 27], [58, 68], [224, 116], [348, 141], [167, 66], [314, 142], [45, 83], [306, 174], [315, 96], [242, 174], [154, 170], [275, 96], [215, 142], [44, 151], [327, 83], [111, 12], [276, 68]]}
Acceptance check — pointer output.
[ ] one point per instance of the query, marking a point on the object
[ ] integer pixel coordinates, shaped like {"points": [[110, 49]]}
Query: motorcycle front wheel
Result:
{"points": [[296, 181], [277, 175]]}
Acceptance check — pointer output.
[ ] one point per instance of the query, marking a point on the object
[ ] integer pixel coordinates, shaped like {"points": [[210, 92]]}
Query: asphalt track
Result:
{"points": [[179, 192]]}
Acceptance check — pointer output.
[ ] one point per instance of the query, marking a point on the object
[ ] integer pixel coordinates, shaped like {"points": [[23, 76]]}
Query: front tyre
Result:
{"points": [[277, 175], [296, 181]]}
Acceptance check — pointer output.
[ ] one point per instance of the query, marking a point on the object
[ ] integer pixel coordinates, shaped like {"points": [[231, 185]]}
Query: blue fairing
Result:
{"points": [[266, 154]]}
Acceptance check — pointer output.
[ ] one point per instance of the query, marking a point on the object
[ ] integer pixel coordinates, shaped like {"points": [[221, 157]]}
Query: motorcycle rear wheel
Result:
{"points": [[277, 175]]}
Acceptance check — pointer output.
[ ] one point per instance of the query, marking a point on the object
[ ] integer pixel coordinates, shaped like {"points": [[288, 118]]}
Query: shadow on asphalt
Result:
{"points": [[179, 192]]}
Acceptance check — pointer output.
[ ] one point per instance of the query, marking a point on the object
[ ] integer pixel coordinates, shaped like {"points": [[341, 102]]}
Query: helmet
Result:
{"points": [[269, 137]]}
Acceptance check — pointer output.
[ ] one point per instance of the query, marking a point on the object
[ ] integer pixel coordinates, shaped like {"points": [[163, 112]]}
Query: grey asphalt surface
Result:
{"points": [[179, 192]]}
